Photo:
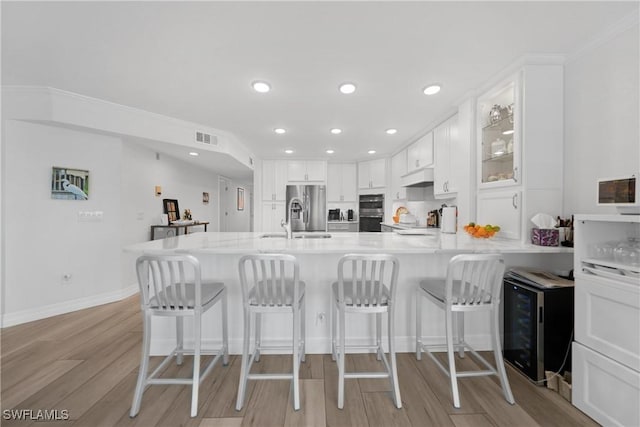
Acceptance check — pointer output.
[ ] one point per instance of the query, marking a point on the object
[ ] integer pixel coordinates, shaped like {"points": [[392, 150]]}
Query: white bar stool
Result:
{"points": [[271, 284], [171, 285], [368, 290], [473, 283]]}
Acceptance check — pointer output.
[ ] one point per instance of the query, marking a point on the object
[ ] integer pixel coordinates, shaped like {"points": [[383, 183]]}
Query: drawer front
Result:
{"points": [[605, 390], [607, 315], [342, 227]]}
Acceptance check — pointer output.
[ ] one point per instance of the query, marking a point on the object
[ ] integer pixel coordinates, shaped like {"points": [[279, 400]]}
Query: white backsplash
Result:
{"points": [[420, 202]]}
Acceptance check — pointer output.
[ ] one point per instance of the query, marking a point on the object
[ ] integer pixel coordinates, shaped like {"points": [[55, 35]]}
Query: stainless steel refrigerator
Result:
{"points": [[308, 207]]}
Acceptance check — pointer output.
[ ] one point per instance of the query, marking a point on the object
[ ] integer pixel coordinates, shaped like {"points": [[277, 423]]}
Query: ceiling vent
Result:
{"points": [[205, 138]]}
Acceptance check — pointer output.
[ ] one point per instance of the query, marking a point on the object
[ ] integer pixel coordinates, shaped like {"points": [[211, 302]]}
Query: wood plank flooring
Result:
{"points": [[86, 363]]}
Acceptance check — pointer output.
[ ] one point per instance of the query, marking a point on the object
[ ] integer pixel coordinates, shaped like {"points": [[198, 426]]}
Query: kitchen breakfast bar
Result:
{"points": [[421, 256]]}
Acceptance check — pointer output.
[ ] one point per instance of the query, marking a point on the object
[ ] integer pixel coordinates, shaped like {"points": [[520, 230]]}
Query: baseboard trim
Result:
{"points": [[24, 316]]}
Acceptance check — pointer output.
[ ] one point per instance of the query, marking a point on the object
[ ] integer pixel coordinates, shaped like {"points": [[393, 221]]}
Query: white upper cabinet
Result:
{"points": [[372, 174], [306, 170], [420, 153], [502, 208], [341, 182], [398, 168], [274, 180], [446, 143], [520, 147]]}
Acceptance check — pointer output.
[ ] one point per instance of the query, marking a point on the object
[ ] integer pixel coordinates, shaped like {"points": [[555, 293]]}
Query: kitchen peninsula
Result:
{"points": [[420, 256]]}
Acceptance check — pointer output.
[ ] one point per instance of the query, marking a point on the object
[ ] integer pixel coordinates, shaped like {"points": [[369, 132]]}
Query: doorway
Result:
{"points": [[226, 203]]}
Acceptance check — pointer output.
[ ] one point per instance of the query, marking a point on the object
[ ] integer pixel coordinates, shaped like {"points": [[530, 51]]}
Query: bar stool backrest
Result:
{"points": [[474, 280], [270, 280], [367, 274], [167, 282]]}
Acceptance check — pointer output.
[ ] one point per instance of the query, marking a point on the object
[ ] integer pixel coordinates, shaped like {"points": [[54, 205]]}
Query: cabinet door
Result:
{"points": [[268, 180], [420, 153], [442, 167], [296, 170], [445, 145], [272, 214], [502, 208], [398, 168], [378, 173], [605, 390], [334, 182], [316, 170], [349, 191], [364, 177], [280, 180]]}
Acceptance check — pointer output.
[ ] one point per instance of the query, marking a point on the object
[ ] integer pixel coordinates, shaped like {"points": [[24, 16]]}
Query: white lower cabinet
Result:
{"points": [[604, 389], [606, 350], [272, 214], [502, 208]]}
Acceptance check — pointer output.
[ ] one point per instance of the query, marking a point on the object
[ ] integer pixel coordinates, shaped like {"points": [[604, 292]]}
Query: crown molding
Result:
{"points": [[625, 24]]}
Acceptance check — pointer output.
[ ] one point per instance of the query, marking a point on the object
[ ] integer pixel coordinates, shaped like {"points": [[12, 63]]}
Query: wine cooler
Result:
{"points": [[538, 327]]}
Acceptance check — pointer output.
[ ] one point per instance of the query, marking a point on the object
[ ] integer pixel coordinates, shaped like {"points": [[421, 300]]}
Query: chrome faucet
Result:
{"points": [[287, 225]]}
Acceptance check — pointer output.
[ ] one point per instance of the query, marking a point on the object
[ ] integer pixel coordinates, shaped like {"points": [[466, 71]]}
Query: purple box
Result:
{"points": [[545, 236]]}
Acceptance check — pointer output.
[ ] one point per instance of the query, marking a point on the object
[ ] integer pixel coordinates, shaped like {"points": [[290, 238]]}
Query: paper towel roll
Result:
{"points": [[449, 220]]}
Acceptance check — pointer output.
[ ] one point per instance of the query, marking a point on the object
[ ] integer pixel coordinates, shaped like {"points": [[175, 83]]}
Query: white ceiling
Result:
{"points": [[195, 61]]}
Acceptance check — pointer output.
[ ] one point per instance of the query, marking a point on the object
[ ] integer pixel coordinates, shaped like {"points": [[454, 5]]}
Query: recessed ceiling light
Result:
{"points": [[347, 88], [432, 89], [371, 151], [193, 153], [288, 151], [280, 131], [508, 132], [261, 86], [391, 131], [330, 151], [336, 131]]}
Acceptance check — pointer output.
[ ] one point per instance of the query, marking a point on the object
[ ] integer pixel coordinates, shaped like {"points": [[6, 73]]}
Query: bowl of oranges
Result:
{"points": [[481, 231]]}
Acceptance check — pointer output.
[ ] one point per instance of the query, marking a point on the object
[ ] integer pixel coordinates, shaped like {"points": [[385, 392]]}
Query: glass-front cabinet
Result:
{"points": [[499, 140]]}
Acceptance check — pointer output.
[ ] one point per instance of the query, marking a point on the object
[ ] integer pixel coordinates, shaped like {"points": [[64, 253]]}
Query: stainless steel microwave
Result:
{"points": [[621, 192]]}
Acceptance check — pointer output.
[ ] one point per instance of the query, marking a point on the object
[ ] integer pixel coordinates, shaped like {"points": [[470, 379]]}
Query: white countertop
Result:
{"points": [[252, 242]]}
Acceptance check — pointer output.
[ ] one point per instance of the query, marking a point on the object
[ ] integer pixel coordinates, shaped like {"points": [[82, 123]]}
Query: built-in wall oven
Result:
{"points": [[371, 211]]}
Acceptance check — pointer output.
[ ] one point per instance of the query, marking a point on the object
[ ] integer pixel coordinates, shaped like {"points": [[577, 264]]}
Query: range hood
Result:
{"points": [[420, 178]]}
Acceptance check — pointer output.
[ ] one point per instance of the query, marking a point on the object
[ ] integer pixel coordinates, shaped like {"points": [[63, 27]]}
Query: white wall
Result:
{"points": [[142, 170], [43, 238], [601, 118]]}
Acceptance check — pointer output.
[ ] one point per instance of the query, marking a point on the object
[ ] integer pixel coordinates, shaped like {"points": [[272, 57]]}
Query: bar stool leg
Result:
{"points": [[225, 330], [258, 320], [244, 368], [144, 366], [379, 350], [341, 361], [303, 328], [450, 353], [296, 361], [196, 363], [179, 339], [418, 324], [395, 387], [334, 329], [497, 353]]}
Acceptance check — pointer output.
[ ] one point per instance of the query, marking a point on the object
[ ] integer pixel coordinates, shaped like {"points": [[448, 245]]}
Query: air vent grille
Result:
{"points": [[206, 138]]}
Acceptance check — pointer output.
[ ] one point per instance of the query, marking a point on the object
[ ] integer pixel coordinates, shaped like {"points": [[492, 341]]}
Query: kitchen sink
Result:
{"points": [[296, 236]]}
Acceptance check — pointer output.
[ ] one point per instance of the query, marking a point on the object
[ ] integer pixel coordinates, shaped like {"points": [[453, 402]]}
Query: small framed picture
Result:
{"points": [[205, 198], [70, 184], [171, 209], [240, 199]]}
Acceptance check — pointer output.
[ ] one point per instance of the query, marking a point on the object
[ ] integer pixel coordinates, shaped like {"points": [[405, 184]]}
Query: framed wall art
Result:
{"points": [[69, 183]]}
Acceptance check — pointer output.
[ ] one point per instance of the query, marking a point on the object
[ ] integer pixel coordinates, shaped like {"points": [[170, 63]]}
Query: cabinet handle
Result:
{"points": [[514, 201], [515, 174]]}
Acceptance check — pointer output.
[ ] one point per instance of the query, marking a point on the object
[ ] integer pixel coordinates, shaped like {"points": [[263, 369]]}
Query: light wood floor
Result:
{"points": [[86, 363]]}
